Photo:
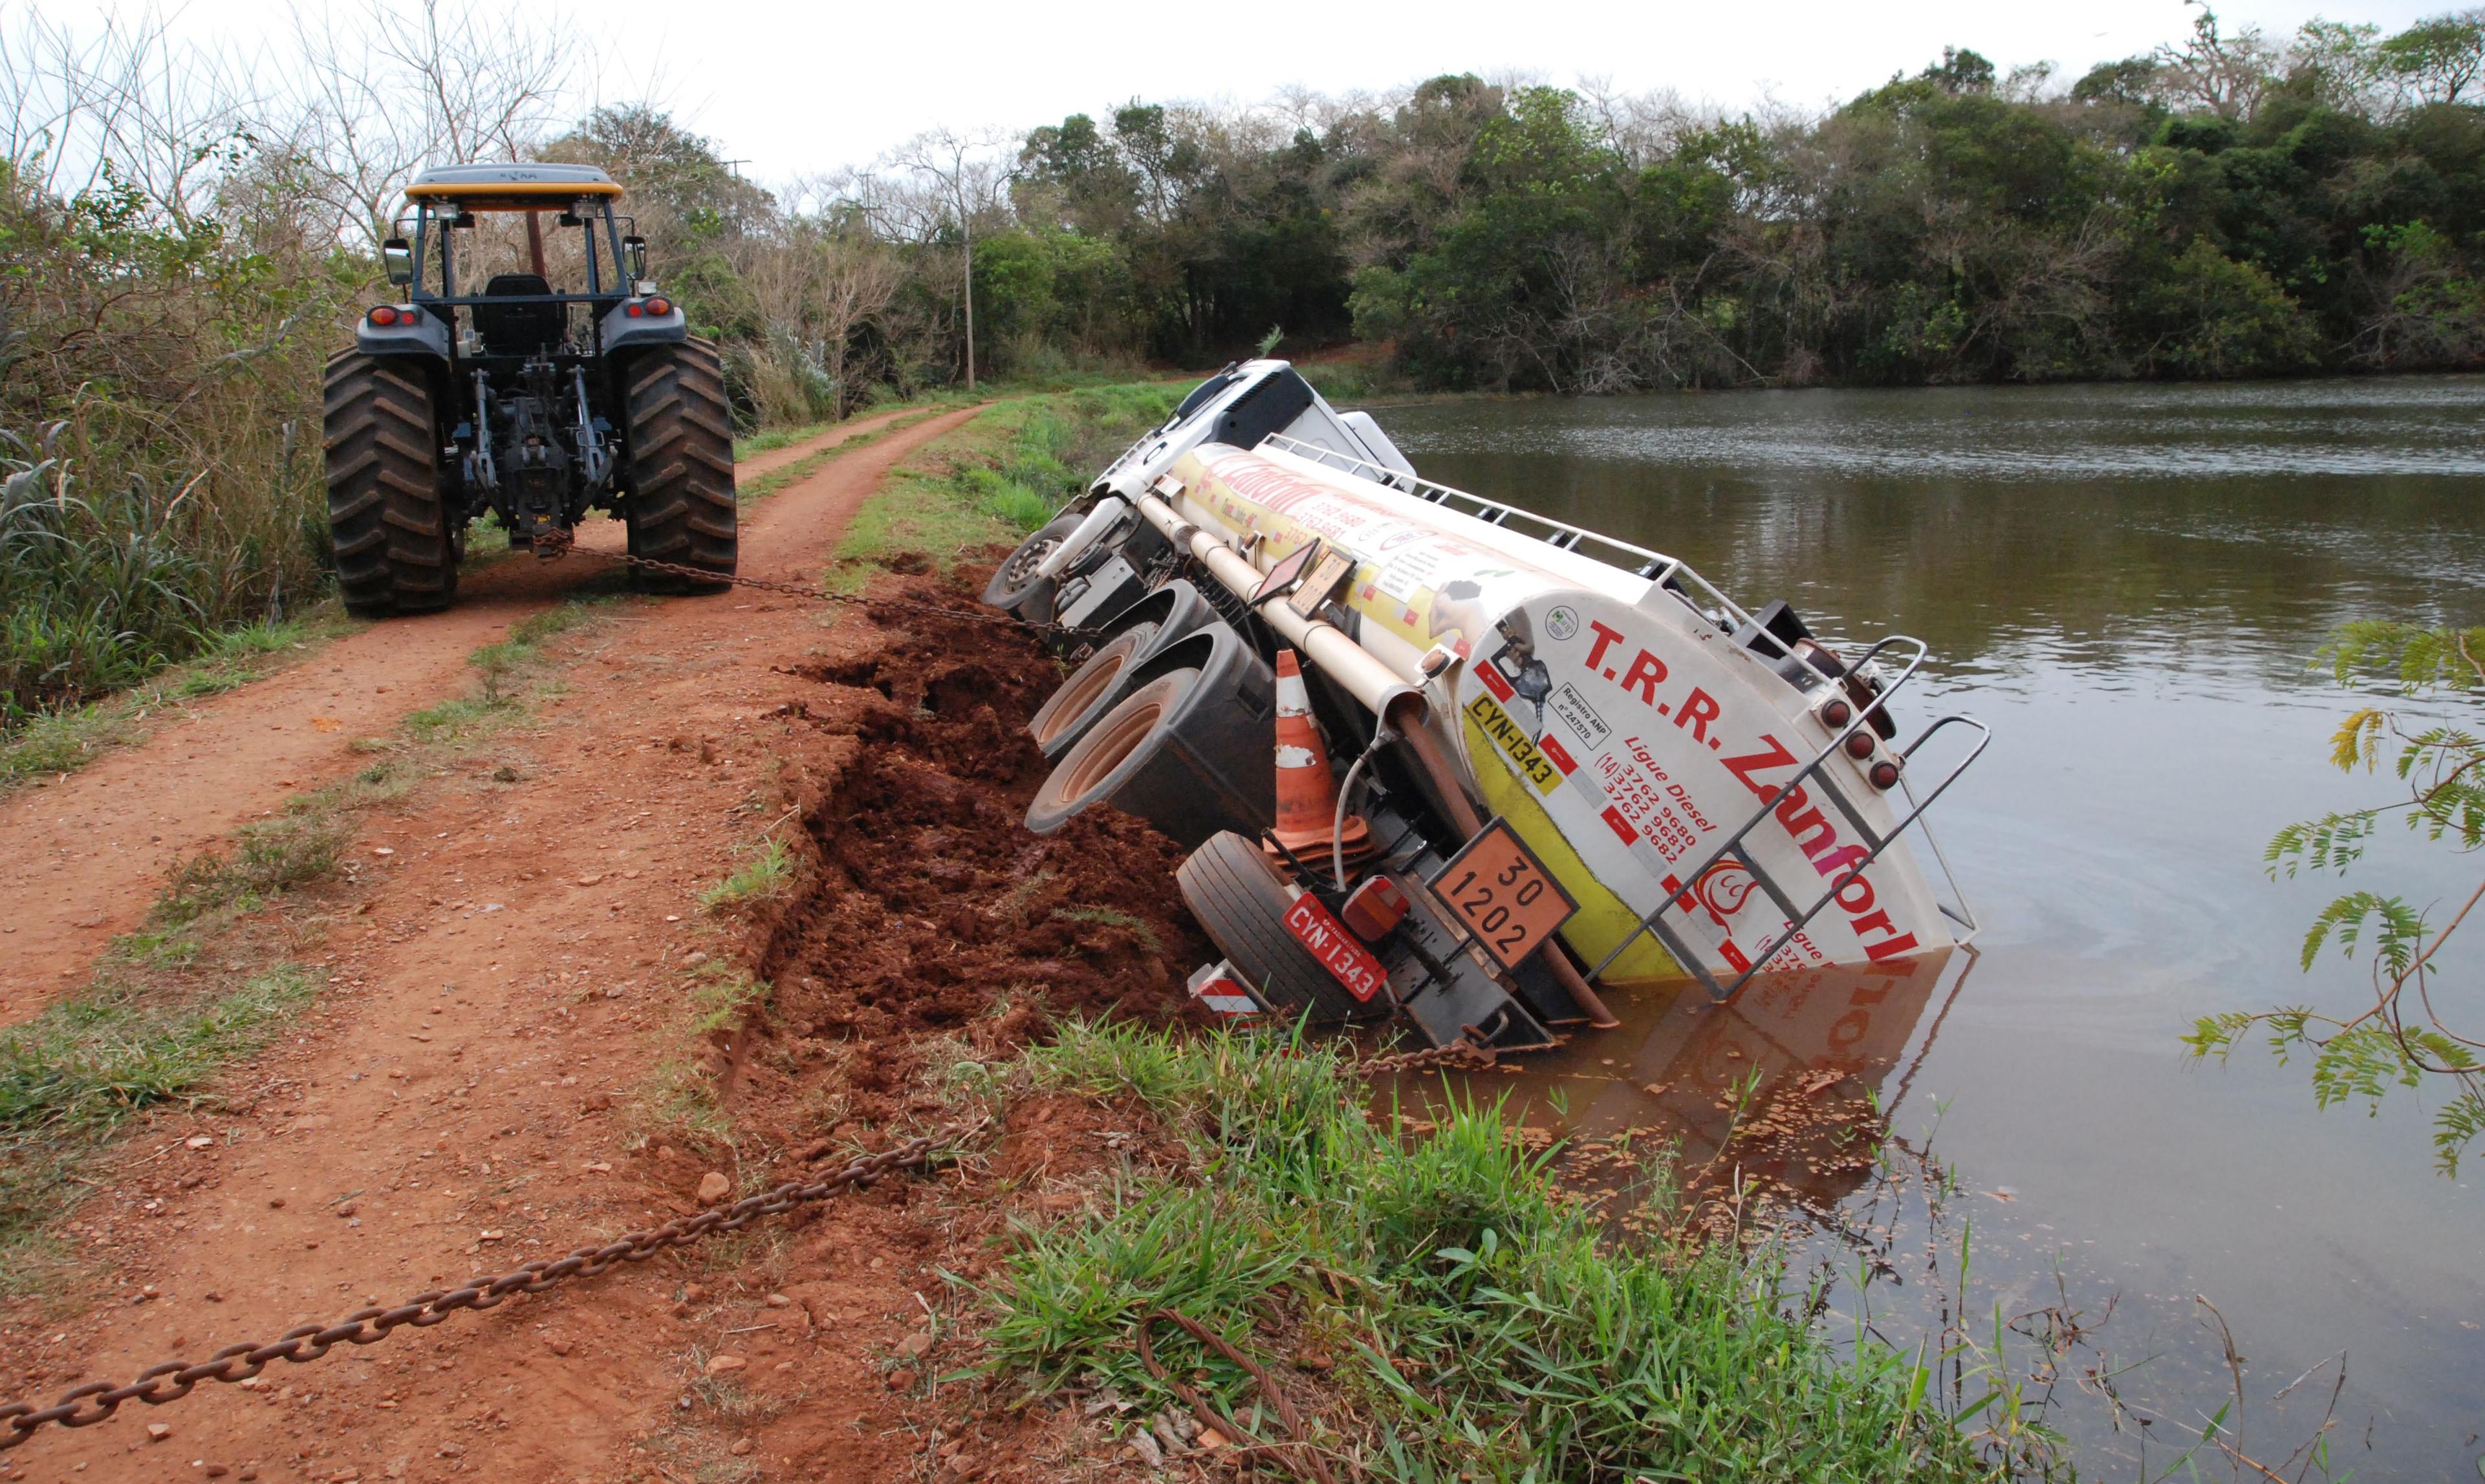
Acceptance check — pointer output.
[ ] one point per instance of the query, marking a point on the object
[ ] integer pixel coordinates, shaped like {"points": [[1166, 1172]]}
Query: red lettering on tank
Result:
{"points": [[1699, 709], [1645, 672], [1606, 638], [1744, 767]]}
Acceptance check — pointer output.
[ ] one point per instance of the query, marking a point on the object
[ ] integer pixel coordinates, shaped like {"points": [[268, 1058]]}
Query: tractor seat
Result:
{"points": [[519, 329]]}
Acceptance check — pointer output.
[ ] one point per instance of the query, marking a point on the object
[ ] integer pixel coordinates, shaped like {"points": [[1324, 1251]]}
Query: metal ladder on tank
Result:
{"points": [[1675, 576]]}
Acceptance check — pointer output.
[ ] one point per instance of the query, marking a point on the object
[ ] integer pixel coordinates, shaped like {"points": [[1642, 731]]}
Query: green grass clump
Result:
{"points": [[1481, 1326], [763, 877], [138, 1037], [47, 743]]}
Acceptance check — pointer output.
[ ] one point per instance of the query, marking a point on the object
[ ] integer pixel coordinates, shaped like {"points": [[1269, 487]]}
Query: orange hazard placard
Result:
{"points": [[1502, 894]]}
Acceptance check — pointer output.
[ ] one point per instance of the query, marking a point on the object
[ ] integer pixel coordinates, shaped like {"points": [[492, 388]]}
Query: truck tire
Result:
{"points": [[1165, 616], [681, 507], [1192, 749], [1090, 692], [1015, 579], [388, 518], [1241, 901]]}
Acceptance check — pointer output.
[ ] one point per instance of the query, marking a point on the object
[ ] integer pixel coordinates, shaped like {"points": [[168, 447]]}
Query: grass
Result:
{"points": [[149, 1031], [1004, 473], [764, 878], [210, 976], [678, 1099], [1479, 1327], [50, 743]]}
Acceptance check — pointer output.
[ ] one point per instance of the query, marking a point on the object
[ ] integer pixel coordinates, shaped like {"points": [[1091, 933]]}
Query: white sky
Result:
{"points": [[794, 87]]}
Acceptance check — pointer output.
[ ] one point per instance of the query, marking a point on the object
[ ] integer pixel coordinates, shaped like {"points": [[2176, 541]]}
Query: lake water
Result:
{"points": [[2129, 583]]}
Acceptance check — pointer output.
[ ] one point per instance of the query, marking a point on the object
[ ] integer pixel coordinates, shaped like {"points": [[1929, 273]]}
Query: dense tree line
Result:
{"points": [[2223, 207]]}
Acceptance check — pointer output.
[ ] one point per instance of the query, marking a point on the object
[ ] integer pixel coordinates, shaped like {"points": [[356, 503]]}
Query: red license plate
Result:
{"points": [[1347, 961]]}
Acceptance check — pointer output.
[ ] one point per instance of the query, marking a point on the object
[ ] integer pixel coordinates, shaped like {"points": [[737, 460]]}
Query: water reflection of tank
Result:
{"points": [[1825, 1038]]}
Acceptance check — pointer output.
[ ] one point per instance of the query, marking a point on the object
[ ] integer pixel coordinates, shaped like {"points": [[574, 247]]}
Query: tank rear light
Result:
{"points": [[1884, 773], [1375, 907], [660, 306], [1834, 712], [1859, 745]]}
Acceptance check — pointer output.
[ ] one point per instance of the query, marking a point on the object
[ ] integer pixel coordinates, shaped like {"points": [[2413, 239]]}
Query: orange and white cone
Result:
{"points": [[1307, 820]]}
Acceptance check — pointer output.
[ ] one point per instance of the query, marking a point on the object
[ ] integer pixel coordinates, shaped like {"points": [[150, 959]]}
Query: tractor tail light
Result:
{"points": [[386, 315], [660, 306], [634, 310]]}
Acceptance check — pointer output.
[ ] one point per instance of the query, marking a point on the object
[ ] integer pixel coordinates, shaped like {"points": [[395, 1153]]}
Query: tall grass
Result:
{"points": [[160, 433], [1481, 1329]]}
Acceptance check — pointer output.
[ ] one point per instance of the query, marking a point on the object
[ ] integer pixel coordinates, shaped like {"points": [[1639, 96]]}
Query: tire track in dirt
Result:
{"points": [[88, 853], [455, 1104]]}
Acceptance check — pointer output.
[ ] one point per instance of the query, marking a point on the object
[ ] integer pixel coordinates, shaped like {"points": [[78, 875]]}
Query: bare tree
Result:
{"points": [[971, 179]]}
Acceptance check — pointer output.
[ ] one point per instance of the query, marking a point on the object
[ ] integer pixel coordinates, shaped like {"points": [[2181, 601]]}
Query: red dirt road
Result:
{"points": [[501, 981], [87, 854]]}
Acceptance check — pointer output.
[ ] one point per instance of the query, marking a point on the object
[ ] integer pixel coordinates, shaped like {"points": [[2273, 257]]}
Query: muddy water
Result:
{"points": [[2128, 583]]}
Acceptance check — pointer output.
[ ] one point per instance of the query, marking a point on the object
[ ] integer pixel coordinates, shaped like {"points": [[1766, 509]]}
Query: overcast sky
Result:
{"points": [[794, 86]]}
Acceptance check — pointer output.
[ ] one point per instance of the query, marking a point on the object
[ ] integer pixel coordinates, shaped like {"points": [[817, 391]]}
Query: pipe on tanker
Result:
{"points": [[1107, 510], [1365, 678], [1379, 687]]}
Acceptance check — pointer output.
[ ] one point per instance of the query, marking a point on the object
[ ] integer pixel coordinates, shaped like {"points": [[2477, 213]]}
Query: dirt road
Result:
{"points": [[88, 853], [502, 982]]}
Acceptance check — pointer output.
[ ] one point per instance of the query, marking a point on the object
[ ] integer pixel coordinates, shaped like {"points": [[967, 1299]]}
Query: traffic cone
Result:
{"points": [[1306, 791]]}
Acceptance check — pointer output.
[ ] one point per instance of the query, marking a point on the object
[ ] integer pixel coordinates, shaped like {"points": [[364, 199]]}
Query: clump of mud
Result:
{"points": [[933, 908]]}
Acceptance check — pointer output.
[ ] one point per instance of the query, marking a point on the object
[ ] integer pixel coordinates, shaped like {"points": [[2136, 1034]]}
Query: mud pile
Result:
{"points": [[933, 908]]}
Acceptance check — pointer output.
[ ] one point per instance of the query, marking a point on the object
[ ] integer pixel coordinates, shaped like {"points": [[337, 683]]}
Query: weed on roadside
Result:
{"points": [[150, 1031], [49, 743], [1452, 1313], [209, 976], [763, 878], [1004, 473]]}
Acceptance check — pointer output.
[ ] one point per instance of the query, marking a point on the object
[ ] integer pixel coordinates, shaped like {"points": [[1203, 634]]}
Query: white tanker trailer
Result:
{"points": [[1568, 761]]}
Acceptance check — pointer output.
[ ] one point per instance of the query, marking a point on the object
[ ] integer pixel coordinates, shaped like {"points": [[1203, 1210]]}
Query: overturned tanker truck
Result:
{"points": [[1568, 764]]}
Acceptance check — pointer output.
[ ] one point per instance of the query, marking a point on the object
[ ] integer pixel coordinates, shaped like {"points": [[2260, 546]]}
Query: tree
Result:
{"points": [[2403, 1038], [969, 182], [2438, 59]]}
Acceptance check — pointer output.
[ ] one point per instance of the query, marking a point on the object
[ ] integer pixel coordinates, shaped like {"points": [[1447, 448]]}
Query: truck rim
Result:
{"points": [[1114, 739]]}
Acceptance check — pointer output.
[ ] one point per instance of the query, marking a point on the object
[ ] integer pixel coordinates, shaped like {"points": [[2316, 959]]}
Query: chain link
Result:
{"points": [[1464, 1055], [91, 1403], [813, 594]]}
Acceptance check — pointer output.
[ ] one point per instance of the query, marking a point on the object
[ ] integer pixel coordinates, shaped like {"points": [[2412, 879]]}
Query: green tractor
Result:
{"points": [[526, 402]]}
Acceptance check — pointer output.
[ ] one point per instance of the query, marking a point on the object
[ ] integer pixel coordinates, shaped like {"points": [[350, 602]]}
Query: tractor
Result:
{"points": [[529, 403]]}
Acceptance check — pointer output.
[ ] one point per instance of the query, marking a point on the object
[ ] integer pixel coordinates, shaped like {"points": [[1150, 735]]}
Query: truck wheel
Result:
{"points": [[1241, 901], [1192, 749], [681, 507], [387, 518], [1089, 691], [1015, 579]]}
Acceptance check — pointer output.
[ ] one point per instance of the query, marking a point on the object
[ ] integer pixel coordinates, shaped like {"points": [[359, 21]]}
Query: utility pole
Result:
{"points": [[966, 236], [942, 155]]}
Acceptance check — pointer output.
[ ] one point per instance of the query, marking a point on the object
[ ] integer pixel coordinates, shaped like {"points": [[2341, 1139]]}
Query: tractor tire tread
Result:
{"points": [[388, 523], [682, 506]]}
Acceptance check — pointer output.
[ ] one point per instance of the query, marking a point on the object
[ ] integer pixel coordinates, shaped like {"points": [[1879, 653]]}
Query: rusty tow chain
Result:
{"points": [[1463, 1055], [91, 1403], [815, 595]]}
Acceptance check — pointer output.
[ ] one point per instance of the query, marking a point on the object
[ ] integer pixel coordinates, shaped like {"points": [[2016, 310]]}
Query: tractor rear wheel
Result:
{"points": [[387, 518], [681, 507]]}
